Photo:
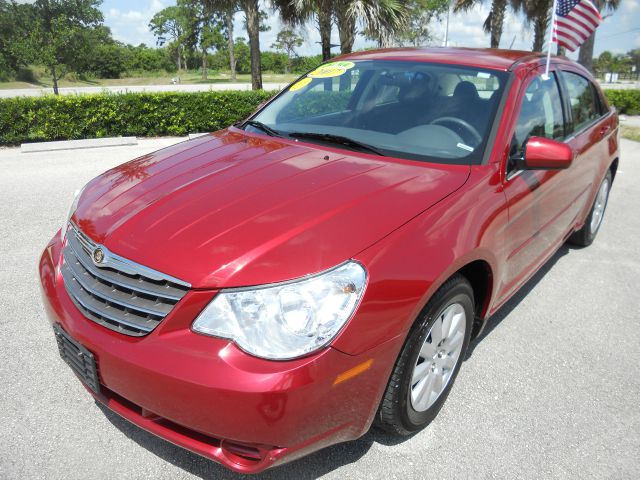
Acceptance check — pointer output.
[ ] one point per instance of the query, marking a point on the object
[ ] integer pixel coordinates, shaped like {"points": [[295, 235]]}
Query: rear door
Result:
{"points": [[591, 134]]}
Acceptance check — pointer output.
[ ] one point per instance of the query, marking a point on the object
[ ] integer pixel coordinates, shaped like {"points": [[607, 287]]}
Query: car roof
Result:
{"points": [[490, 58]]}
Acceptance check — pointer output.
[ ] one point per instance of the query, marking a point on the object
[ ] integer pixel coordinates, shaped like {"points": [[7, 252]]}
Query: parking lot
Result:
{"points": [[552, 389]]}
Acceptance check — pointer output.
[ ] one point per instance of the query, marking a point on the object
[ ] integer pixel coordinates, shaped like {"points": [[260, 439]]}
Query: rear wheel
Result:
{"points": [[587, 234], [430, 360]]}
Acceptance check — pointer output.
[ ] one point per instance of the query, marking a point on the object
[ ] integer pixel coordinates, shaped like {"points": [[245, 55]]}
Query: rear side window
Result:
{"points": [[541, 113], [584, 108]]}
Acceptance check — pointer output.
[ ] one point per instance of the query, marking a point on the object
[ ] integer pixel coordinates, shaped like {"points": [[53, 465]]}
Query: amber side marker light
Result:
{"points": [[353, 372]]}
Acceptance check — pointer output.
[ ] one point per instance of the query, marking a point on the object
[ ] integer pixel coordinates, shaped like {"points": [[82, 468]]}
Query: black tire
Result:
{"points": [[585, 236], [396, 413]]}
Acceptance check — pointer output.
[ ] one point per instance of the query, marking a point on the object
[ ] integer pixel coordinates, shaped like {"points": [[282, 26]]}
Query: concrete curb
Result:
{"points": [[77, 144]]}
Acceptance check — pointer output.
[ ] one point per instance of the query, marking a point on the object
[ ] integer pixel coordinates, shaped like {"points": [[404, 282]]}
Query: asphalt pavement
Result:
{"points": [[551, 390]]}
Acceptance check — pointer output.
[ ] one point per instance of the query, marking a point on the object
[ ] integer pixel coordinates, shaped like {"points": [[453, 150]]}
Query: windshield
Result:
{"points": [[416, 110]]}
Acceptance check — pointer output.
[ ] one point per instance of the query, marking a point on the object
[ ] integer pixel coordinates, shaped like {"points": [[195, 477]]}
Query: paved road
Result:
{"points": [[551, 391], [34, 92]]}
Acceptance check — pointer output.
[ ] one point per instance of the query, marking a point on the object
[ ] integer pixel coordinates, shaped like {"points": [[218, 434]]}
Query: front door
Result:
{"points": [[541, 202]]}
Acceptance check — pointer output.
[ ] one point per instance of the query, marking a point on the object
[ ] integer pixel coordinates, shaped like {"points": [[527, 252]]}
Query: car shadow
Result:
{"points": [[321, 462], [311, 467], [514, 301]]}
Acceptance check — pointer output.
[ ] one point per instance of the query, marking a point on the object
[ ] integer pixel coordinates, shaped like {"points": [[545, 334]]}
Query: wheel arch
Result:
{"points": [[614, 168], [480, 276], [481, 273]]}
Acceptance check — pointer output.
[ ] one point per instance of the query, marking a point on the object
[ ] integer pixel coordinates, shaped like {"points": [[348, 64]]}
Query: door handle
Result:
{"points": [[604, 130]]}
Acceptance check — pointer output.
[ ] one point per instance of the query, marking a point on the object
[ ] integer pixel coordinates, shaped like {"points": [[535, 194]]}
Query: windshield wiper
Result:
{"points": [[265, 128], [339, 139]]}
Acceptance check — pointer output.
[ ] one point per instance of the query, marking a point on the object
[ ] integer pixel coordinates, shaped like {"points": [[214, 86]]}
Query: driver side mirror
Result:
{"points": [[545, 154]]}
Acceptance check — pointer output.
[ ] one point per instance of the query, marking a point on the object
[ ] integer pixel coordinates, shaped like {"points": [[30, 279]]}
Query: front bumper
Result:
{"points": [[206, 395]]}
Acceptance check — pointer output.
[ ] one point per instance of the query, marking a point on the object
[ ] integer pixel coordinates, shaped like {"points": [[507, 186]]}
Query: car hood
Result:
{"points": [[237, 209]]}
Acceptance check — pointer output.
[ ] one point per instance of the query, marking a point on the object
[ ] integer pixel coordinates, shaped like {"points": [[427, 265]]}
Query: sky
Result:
{"points": [[620, 32]]}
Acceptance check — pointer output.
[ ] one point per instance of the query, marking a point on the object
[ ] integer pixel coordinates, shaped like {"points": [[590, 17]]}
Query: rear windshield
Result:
{"points": [[416, 110]]}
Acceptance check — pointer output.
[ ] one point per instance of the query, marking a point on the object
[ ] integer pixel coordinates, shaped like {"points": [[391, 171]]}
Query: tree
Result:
{"points": [[56, 33], [287, 41], [420, 15], [226, 9], [149, 59], [243, 55], [10, 58], [107, 60], [494, 22], [634, 57], [252, 21], [169, 26], [381, 18], [228, 22], [585, 56], [202, 29], [538, 13]]}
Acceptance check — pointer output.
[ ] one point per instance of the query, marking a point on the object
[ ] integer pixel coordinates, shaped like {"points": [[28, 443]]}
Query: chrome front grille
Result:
{"points": [[115, 292]]}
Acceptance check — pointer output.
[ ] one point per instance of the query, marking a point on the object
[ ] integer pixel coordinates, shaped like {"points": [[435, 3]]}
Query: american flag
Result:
{"points": [[575, 21]]}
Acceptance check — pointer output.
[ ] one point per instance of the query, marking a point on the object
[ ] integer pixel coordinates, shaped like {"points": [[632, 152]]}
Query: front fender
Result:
{"points": [[407, 267]]}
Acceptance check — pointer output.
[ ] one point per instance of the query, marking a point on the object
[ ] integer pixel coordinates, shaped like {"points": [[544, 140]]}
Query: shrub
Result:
{"points": [[33, 119], [625, 101], [305, 64]]}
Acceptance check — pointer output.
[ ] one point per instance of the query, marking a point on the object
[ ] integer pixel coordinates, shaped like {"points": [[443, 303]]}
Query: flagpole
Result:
{"points": [[553, 25]]}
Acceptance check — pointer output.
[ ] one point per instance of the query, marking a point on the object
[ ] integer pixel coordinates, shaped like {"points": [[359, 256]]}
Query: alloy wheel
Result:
{"points": [[438, 357]]}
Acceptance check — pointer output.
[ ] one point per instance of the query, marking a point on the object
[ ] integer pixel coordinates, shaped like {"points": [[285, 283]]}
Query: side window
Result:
{"points": [[540, 115], [603, 109], [386, 94], [584, 108]]}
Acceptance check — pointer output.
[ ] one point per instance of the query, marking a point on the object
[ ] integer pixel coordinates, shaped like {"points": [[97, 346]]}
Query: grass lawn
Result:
{"points": [[630, 133], [189, 78]]}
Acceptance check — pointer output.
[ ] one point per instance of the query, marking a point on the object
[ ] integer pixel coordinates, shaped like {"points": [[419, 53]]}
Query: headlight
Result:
{"points": [[74, 206], [287, 320]]}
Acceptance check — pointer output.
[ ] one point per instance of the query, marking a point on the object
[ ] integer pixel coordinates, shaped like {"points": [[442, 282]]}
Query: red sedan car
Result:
{"points": [[273, 288]]}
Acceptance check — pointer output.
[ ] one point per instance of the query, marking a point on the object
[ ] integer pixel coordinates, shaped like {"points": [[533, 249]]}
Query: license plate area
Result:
{"points": [[81, 360]]}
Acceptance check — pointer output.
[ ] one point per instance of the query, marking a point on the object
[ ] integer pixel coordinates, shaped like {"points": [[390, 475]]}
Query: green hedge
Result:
{"points": [[626, 101], [33, 119]]}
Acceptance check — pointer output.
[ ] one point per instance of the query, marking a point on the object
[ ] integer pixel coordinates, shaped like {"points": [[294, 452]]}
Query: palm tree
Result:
{"points": [[380, 17], [585, 57], [251, 11], [299, 12], [347, 30], [495, 20], [538, 13]]}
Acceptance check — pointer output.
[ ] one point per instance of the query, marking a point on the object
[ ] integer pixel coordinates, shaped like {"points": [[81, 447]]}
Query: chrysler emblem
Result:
{"points": [[98, 255]]}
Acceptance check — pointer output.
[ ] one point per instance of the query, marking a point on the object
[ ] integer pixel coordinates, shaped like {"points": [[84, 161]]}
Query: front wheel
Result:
{"points": [[587, 234], [430, 360]]}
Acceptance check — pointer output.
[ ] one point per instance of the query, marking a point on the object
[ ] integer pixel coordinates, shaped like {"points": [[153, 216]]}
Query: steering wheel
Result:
{"points": [[470, 129]]}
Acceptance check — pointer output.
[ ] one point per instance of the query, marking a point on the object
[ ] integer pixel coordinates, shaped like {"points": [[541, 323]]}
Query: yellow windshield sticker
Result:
{"points": [[333, 69], [345, 65], [327, 71], [300, 84]]}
